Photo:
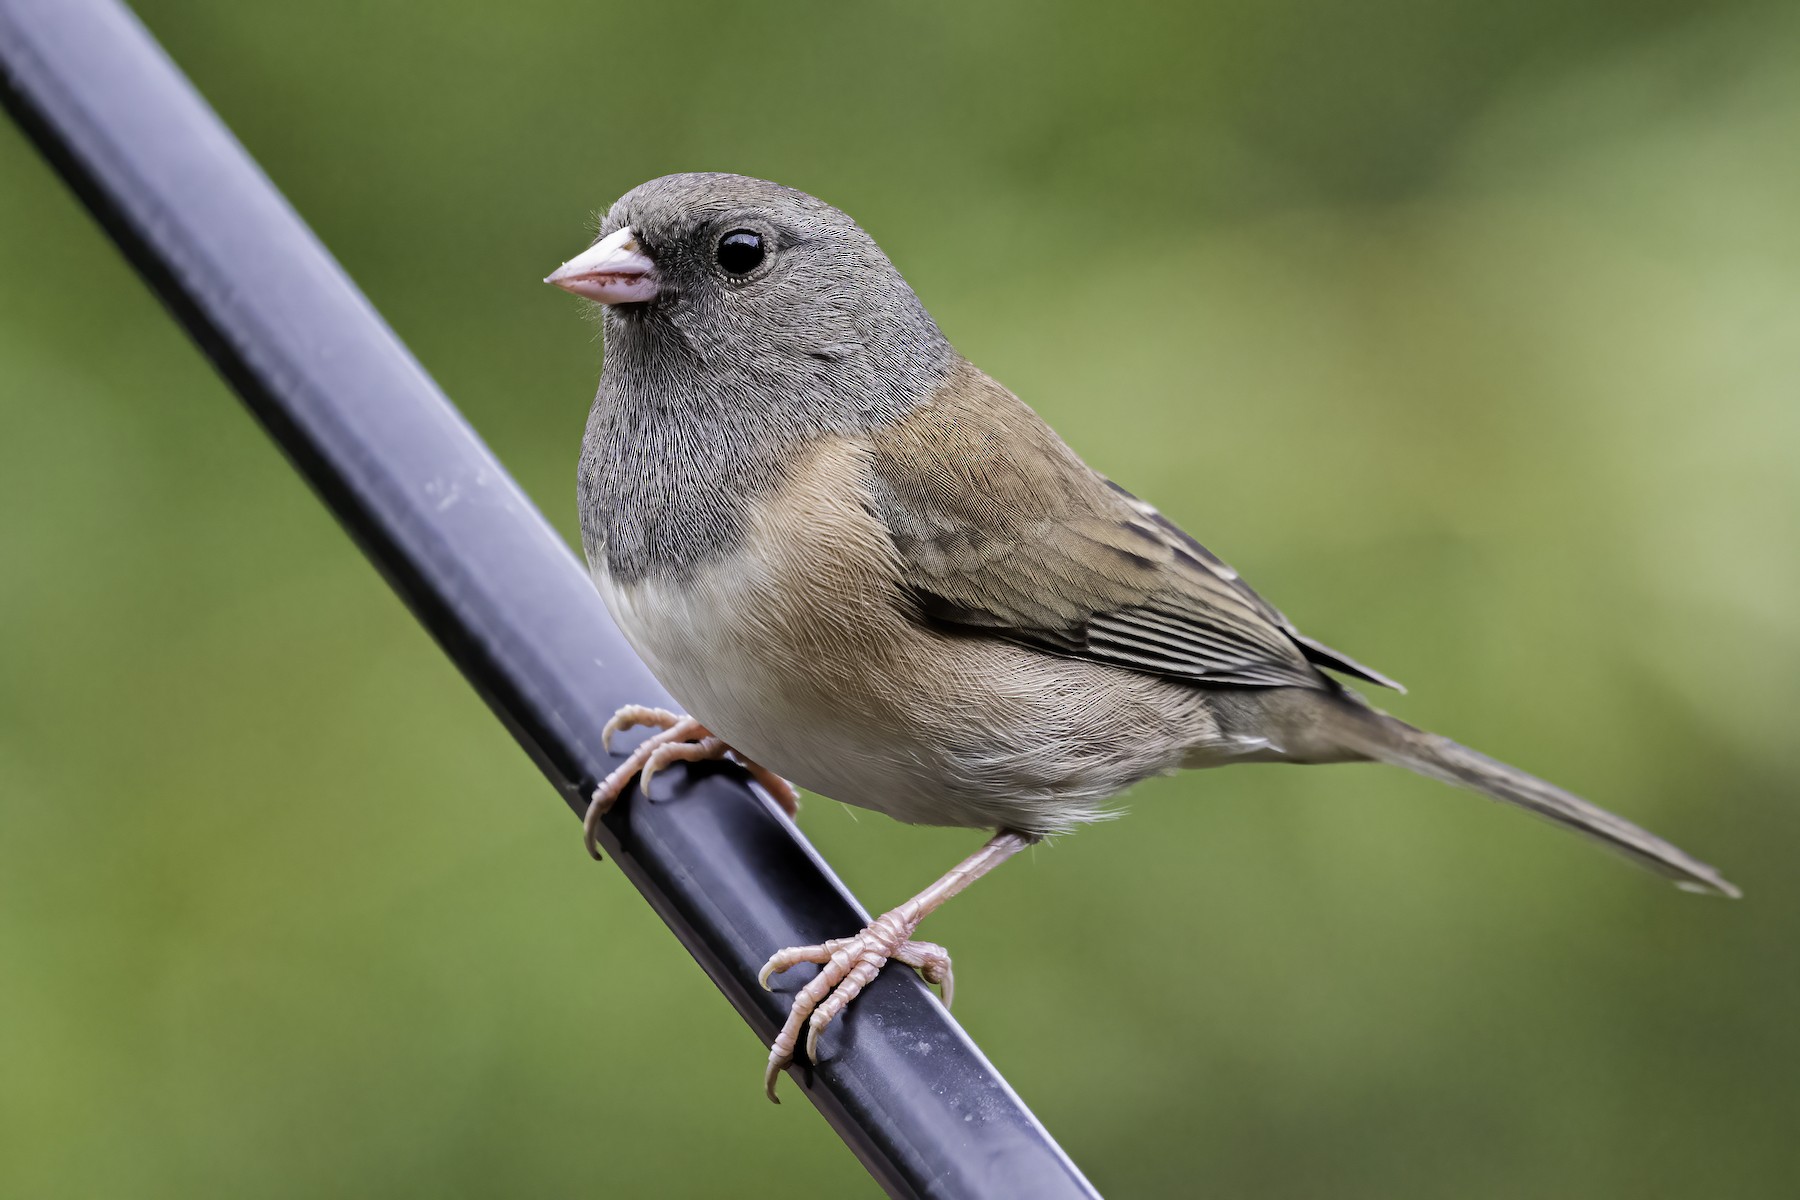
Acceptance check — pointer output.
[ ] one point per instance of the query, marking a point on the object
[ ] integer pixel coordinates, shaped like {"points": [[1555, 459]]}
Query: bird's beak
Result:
{"points": [[612, 271]]}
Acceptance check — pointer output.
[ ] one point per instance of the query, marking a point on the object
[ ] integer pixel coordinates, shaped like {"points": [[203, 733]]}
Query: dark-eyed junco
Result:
{"points": [[861, 563]]}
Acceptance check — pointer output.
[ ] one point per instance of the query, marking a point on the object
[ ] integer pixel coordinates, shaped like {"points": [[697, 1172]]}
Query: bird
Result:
{"points": [[866, 568]]}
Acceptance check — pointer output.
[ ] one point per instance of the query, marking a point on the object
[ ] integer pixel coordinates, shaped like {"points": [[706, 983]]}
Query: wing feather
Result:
{"points": [[1003, 530]]}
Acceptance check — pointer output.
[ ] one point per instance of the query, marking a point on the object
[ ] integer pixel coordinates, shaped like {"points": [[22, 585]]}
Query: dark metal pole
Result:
{"points": [[437, 514]]}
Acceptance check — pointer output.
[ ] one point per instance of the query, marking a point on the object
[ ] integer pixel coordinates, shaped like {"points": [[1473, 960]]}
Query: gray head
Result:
{"points": [[726, 291], [742, 318]]}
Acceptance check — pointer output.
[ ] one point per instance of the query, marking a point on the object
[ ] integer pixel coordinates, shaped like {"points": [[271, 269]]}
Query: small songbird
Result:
{"points": [[864, 566]]}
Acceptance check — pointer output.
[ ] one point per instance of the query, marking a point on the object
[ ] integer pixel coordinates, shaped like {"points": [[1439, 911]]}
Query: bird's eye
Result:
{"points": [[741, 251]]}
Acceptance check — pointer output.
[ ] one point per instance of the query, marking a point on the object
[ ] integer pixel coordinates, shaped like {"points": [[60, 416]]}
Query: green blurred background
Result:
{"points": [[1470, 332]]}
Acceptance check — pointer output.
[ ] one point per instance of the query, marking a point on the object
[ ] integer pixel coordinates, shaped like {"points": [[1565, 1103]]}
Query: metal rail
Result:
{"points": [[435, 512]]}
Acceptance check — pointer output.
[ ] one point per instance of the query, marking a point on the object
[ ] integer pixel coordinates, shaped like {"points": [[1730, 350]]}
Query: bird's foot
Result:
{"points": [[682, 739], [847, 966]]}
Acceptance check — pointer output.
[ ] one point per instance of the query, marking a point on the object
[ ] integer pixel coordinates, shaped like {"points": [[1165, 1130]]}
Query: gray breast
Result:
{"points": [[664, 493], [678, 449]]}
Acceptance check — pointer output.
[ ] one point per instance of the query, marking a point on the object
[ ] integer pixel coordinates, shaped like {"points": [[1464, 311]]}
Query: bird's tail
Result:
{"points": [[1385, 739]]}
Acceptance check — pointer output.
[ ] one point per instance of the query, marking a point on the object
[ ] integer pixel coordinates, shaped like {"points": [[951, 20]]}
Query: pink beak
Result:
{"points": [[612, 271]]}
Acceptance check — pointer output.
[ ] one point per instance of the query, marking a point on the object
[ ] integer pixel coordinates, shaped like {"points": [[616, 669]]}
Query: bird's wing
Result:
{"points": [[1003, 530]]}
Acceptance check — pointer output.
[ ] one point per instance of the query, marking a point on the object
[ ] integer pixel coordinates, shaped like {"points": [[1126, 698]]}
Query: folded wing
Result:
{"points": [[1004, 531]]}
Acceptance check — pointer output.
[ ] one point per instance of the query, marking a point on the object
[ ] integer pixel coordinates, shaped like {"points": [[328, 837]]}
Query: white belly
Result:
{"points": [[782, 705]]}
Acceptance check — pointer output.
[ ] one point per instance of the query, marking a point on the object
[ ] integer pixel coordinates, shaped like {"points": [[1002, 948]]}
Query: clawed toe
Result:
{"points": [[646, 757], [932, 962], [680, 739], [848, 965], [705, 748], [793, 956], [634, 715]]}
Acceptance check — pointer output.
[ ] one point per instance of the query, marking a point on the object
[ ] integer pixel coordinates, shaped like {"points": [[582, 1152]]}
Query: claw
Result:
{"points": [[770, 1075], [651, 766], [793, 956], [848, 965], [674, 729], [634, 715], [590, 824], [932, 962], [708, 747], [681, 739]]}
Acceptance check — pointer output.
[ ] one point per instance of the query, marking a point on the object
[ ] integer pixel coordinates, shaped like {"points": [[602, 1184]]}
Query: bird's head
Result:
{"points": [[715, 273]]}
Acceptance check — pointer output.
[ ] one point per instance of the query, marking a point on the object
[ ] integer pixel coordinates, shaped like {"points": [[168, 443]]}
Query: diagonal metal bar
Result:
{"points": [[433, 509]]}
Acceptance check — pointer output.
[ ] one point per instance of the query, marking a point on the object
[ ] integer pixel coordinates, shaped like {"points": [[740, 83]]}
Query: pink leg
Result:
{"points": [[851, 964], [682, 739]]}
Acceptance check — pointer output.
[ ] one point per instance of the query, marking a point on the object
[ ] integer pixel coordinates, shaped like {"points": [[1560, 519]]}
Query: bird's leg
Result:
{"points": [[682, 739], [849, 964]]}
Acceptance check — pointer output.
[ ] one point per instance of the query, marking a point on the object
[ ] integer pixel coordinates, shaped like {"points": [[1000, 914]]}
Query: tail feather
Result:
{"points": [[1386, 739]]}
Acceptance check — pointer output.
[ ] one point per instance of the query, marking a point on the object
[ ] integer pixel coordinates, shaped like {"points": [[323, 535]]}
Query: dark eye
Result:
{"points": [[740, 251]]}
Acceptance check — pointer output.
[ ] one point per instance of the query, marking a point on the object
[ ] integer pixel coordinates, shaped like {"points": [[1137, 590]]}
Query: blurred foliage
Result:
{"points": [[1470, 332]]}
